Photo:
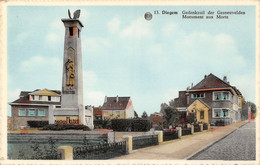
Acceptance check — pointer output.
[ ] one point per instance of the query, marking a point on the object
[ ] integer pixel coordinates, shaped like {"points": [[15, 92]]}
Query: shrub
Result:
{"points": [[37, 124], [134, 125], [105, 124], [65, 127]]}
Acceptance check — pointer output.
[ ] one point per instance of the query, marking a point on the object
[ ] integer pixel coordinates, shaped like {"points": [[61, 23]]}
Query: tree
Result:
{"points": [[136, 115], [192, 118], [163, 107], [173, 103], [144, 115], [253, 107], [171, 116]]}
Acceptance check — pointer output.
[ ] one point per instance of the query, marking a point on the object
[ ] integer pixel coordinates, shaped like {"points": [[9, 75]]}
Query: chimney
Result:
{"points": [[117, 98], [225, 79], [191, 85], [105, 99], [205, 76]]}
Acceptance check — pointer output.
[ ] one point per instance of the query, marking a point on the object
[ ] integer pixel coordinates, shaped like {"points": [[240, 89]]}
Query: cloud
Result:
{"points": [[91, 95], [53, 37], [56, 32], [95, 44], [90, 78], [13, 94], [43, 71], [94, 98], [172, 93], [211, 51], [22, 37], [57, 25], [114, 25], [169, 29], [138, 29], [246, 84]]}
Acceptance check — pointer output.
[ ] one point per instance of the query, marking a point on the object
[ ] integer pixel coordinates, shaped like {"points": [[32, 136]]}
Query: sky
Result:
{"points": [[126, 55]]}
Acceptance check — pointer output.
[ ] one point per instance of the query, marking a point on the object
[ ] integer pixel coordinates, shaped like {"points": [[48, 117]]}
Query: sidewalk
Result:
{"points": [[184, 147]]}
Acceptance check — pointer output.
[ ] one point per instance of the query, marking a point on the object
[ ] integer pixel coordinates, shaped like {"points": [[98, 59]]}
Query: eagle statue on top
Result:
{"points": [[76, 14]]}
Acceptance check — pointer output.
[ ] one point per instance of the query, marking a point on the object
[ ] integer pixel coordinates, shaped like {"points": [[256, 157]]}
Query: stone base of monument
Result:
{"points": [[71, 116]]}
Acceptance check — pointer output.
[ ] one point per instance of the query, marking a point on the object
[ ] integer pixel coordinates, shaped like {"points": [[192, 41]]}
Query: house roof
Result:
{"points": [[45, 92], [213, 82], [24, 99], [111, 103]]}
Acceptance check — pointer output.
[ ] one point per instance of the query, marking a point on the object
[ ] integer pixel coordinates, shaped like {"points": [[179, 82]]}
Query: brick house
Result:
{"points": [[156, 119], [211, 100], [33, 106], [117, 108], [98, 113]]}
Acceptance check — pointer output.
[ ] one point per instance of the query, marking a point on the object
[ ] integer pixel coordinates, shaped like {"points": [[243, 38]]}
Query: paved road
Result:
{"points": [[239, 145]]}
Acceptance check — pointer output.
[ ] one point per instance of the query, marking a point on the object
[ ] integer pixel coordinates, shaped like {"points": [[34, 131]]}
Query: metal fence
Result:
{"points": [[170, 135], [196, 128], [205, 126], [186, 131], [144, 141], [101, 151]]}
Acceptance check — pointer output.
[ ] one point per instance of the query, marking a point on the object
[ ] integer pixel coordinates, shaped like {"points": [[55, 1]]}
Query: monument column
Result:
{"points": [[72, 78], [72, 105], [72, 83]]}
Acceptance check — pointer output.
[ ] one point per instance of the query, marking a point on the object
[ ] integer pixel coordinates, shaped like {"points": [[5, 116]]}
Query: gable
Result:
{"points": [[198, 105], [113, 104], [45, 92]]}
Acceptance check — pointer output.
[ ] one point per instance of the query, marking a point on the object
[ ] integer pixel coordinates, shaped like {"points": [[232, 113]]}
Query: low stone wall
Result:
{"points": [[119, 135]]}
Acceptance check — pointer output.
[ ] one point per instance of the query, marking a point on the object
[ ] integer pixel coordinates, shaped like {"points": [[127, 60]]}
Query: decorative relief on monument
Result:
{"points": [[70, 70]]}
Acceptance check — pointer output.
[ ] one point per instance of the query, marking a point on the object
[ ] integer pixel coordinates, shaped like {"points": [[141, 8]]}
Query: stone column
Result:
{"points": [[179, 132], [51, 116], [192, 129], [201, 127], [160, 136], [66, 152], [129, 143]]}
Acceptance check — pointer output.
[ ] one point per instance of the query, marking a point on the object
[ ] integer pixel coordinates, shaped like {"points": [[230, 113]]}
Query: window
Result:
{"points": [[217, 96], [221, 96], [41, 112], [49, 98], [225, 96], [22, 112], [218, 112], [201, 114], [31, 112], [32, 97], [225, 112], [40, 97], [71, 31], [197, 95]]}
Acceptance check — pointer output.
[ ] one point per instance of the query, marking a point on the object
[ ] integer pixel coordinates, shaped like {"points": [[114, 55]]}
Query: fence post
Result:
{"points": [[160, 136], [66, 152], [192, 129], [201, 127], [179, 132], [129, 143]]}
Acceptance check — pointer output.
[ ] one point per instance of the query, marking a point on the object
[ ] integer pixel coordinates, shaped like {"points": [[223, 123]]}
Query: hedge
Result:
{"points": [[37, 124], [65, 127], [133, 125]]}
